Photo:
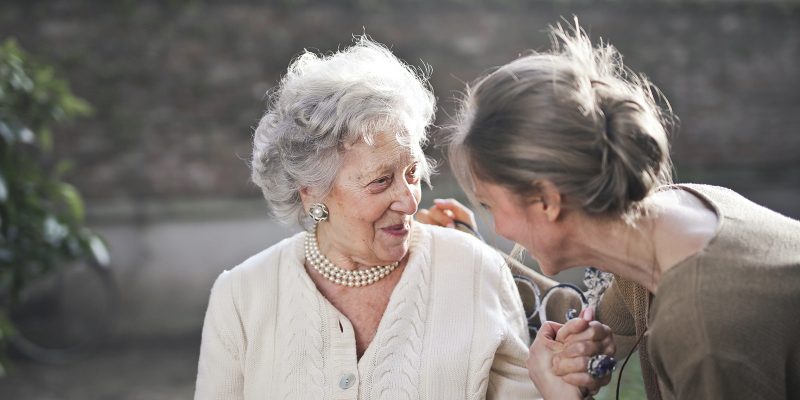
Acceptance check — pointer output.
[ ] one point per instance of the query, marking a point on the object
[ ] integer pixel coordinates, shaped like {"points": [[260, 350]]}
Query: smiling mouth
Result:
{"points": [[396, 230]]}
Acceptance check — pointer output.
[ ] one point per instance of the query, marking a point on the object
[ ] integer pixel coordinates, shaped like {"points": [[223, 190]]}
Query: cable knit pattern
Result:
{"points": [[304, 343], [453, 329], [480, 386], [401, 339]]}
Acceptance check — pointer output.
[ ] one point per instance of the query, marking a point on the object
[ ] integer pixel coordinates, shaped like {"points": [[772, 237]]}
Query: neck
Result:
{"points": [[679, 226], [612, 245], [330, 246]]}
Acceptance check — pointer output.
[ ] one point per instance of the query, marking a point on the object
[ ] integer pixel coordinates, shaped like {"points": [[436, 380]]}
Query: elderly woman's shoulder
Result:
{"points": [[461, 259], [458, 244], [453, 237]]}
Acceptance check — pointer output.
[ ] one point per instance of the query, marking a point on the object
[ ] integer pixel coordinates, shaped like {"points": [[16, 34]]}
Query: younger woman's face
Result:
{"points": [[524, 221]]}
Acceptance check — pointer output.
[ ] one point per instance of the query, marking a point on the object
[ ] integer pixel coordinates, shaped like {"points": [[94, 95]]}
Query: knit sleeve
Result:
{"points": [[612, 311], [509, 375], [219, 372]]}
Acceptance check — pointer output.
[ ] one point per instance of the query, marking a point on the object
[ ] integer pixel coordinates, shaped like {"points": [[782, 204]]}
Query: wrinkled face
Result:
{"points": [[372, 202], [525, 223]]}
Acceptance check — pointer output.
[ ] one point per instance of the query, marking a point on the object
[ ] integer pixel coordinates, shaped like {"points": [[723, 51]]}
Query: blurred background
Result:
{"points": [[176, 88]]}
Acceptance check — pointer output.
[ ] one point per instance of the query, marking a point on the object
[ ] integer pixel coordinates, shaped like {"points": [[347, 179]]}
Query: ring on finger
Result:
{"points": [[600, 365]]}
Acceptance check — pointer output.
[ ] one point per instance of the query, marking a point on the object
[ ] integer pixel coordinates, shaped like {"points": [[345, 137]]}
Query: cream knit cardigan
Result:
{"points": [[453, 329]]}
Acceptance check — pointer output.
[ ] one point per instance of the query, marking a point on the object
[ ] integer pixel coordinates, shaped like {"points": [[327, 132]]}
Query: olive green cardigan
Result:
{"points": [[725, 322]]}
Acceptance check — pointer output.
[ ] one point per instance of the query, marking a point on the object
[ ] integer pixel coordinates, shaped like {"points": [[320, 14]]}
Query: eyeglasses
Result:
{"points": [[570, 301], [563, 300]]}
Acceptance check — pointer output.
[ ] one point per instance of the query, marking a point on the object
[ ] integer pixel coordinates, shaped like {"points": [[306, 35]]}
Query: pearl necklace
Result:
{"points": [[341, 276]]}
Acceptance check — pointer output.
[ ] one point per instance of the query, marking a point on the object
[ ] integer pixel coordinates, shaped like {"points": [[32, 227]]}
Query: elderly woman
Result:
{"points": [[568, 151], [366, 304]]}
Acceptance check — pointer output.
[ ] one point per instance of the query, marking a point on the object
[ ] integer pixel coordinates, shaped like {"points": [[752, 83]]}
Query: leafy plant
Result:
{"points": [[41, 216]]}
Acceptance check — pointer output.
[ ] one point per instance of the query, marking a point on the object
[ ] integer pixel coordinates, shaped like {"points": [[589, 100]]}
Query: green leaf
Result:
{"points": [[45, 140], [63, 167], [22, 83], [73, 201], [42, 216], [76, 106]]}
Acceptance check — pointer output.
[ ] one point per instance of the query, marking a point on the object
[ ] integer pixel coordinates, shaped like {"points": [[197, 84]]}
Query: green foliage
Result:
{"points": [[41, 217], [632, 385]]}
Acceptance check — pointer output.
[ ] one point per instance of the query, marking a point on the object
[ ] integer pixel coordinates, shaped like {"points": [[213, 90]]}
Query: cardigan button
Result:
{"points": [[347, 381]]}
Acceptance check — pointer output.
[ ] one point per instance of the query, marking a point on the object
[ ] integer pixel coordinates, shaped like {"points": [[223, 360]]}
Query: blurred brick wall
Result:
{"points": [[178, 86]]}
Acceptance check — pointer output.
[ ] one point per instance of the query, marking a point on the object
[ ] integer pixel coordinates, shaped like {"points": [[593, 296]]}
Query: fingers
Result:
{"points": [[575, 356], [582, 338], [577, 325], [444, 213], [539, 360], [441, 216], [584, 380], [583, 348], [595, 331], [457, 210], [573, 327], [587, 314], [563, 366], [424, 217], [573, 371], [609, 347], [546, 337], [590, 348], [549, 330], [435, 216]]}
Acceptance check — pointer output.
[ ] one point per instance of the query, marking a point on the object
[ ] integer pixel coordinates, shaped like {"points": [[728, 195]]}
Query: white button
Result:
{"points": [[347, 381]]}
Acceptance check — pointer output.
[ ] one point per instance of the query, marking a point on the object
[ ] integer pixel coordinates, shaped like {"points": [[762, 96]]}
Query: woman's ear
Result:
{"points": [[306, 197], [551, 199]]}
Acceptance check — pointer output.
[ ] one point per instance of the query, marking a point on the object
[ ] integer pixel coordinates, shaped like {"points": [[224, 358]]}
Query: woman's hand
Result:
{"points": [[582, 338], [445, 212], [540, 364]]}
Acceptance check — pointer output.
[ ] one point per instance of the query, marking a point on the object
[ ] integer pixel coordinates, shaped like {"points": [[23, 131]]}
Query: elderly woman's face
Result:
{"points": [[373, 199]]}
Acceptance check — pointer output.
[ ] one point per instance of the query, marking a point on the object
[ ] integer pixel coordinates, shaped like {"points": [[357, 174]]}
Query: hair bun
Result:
{"points": [[574, 116], [633, 160]]}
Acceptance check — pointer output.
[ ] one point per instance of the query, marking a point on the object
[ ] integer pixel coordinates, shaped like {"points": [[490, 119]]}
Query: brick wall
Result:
{"points": [[178, 86]]}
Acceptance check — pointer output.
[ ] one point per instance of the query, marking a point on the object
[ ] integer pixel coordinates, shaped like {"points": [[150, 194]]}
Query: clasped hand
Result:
{"points": [[558, 359]]}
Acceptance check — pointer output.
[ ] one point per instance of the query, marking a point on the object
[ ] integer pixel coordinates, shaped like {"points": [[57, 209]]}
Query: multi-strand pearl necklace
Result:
{"points": [[341, 276]]}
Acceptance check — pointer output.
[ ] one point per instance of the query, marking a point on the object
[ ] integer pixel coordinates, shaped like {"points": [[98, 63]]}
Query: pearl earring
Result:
{"points": [[318, 212]]}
